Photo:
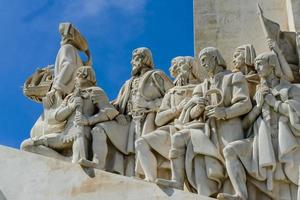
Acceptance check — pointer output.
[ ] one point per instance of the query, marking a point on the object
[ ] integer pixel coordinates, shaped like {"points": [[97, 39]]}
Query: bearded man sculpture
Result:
{"points": [[140, 98], [159, 141], [210, 125]]}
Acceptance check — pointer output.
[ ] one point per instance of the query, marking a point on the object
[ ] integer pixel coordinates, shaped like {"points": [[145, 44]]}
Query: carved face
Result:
{"points": [[263, 68], [137, 63], [238, 59], [174, 68], [208, 62], [84, 77], [182, 73]]}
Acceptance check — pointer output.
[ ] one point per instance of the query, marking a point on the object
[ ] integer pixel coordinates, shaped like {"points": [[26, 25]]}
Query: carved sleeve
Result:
{"points": [[162, 82], [106, 110], [64, 111], [166, 113], [240, 102], [249, 119], [197, 110]]}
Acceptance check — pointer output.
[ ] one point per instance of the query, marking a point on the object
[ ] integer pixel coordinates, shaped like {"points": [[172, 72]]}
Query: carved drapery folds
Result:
{"points": [[233, 135]]}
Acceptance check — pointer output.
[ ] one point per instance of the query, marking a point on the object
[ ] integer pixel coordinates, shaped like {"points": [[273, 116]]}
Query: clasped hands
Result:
{"points": [[210, 111], [263, 95]]}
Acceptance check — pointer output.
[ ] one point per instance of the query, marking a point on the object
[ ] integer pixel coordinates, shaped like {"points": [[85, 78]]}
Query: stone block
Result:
{"points": [[28, 176]]}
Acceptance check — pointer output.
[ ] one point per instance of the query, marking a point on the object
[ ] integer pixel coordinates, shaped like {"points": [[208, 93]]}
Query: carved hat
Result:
{"points": [[272, 59], [249, 53], [70, 35], [146, 56], [212, 51]]}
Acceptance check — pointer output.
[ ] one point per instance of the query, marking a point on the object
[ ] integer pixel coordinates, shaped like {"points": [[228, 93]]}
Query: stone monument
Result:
{"points": [[223, 131]]}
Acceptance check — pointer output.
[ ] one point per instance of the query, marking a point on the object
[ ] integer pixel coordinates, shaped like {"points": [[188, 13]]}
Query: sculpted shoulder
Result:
{"points": [[238, 77], [67, 47], [162, 79]]}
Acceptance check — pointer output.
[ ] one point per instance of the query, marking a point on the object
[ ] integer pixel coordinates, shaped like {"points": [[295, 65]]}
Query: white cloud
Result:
{"points": [[91, 8]]}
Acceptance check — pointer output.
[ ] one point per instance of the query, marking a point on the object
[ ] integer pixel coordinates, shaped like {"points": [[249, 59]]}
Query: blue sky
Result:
{"points": [[113, 28]]}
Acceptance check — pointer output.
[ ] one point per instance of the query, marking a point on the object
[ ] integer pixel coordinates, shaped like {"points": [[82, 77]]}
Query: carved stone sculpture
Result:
{"points": [[37, 85], [208, 134], [287, 49], [141, 96], [153, 148], [270, 155], [63, 83], [243, 61], [210, 125], [76, 133]]}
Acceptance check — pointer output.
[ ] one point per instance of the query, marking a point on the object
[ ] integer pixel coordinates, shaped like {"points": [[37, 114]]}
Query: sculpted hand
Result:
{"points": [[217, 112], [81, 120], [259, 96], [77, 101], [182, 105], [270, 100], [121, 119], [273, 45], [196, 100], [96, 96]]}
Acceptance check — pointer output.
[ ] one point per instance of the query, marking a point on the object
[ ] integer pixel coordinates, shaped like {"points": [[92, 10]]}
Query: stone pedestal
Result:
{"points": [[27, 176]]}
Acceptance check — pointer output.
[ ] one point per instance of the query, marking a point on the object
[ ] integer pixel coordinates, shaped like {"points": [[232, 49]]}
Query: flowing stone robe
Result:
{"points": [[56, 140], [152, 87], [66, 64], [160, 139], [117, 134], [274, 142], [207, 142]]}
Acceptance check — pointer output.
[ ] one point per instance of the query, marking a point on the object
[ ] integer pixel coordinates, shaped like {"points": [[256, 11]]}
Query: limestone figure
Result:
{"points": [[62, 83], [76, 112], [269, 157], [212, 120], [141, 95], [153, 148], [243, 61], [287, 46]]}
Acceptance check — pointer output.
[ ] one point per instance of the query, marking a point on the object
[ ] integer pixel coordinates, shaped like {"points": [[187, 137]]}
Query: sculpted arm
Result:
{"points": [[117, 102], [166, 113], [197, 109], [241, 103], [106, 110], [163, 84], [283, 107], [64, 110], [249, 119], [283, 62]]}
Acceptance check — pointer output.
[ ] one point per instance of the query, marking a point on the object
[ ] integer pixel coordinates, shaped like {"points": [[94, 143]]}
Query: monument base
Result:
{"points": [[28, 176]]}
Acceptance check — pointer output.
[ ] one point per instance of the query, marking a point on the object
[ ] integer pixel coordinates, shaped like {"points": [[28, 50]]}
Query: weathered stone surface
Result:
{"points": [[28, 176], [231, 23]]}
